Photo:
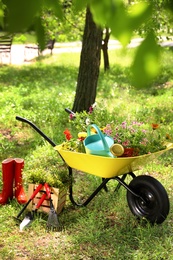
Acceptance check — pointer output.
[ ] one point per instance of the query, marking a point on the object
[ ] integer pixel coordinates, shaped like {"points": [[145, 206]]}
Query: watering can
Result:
{"points": [[98, 144]]}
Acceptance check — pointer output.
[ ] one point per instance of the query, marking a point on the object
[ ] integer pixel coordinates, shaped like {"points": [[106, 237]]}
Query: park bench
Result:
{"points": [[5, 48], [50, 45], [32, 51]]}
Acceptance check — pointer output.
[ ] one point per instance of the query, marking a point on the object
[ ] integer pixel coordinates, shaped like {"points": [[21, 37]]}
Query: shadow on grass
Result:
{"points": [[14, 149], [38, 76]]}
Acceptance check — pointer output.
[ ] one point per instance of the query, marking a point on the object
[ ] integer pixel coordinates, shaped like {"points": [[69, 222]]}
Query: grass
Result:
{"points": [[105, 229]]}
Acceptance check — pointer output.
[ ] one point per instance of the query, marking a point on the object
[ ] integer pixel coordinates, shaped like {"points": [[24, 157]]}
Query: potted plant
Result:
{"points": [[45, 167], [137, 138]]}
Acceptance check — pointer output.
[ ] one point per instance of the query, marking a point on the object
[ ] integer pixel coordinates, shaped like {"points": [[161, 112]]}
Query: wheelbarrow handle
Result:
{"points": [[37, 129], [69, 111]]}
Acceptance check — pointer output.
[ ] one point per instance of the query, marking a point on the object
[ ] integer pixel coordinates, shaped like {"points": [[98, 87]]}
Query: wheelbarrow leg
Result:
{"points": [[119, 184], [105, 187], [123, 179], [101, 186]]}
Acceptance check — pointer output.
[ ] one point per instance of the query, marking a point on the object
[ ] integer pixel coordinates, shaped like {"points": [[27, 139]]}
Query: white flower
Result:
{"points": [[87, 121]]}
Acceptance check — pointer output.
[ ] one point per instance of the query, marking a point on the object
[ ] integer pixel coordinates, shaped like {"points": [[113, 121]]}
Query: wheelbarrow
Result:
{"points": [[146, 196]]}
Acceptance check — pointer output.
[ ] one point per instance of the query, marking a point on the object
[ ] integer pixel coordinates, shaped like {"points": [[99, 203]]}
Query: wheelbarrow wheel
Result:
{"points": [[152, 203]]}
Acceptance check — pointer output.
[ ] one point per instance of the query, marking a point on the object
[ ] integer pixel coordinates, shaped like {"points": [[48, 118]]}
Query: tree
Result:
{"points": [[160, 21], [105, 49], [121, 18], [89, 65]]}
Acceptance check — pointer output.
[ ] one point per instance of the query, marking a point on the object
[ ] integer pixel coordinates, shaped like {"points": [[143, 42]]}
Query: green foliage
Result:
{"points": [[97, 116], [105, 229], [142, 136], [80, 5], [122, 19], [45, 166], [146, 68], [19, 39], [160, 21], [122, 22], [23, 13]]}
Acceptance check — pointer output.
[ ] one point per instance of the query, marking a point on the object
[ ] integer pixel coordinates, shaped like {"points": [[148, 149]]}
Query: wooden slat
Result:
{"points": [[58, 198], [5, 46]]}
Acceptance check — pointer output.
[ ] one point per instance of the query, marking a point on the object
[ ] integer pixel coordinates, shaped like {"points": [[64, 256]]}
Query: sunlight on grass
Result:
{"points": [[105, 229]]}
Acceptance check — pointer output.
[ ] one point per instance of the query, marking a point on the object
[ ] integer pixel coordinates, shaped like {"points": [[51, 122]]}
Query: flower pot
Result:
{"points": [[130, 152]]}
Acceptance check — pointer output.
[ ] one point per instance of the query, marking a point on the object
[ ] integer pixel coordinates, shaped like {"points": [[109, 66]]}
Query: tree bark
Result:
{"points": [[105, 50], [89, 65]]}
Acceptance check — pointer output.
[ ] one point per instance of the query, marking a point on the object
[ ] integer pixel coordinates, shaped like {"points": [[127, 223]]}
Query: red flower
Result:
{"points": [[81, 139], [67, 134]]}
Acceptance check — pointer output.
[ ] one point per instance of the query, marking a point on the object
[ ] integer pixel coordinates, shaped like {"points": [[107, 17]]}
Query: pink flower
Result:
{"points": [[126, 143], [72, 116], [90, 109]]}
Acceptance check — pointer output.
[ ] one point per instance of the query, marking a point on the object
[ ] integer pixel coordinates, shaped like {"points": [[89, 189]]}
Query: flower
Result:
{"points": [[72, 116], [143, 138], [72, 144], [82, 135], [155, 126], [67, 134]]}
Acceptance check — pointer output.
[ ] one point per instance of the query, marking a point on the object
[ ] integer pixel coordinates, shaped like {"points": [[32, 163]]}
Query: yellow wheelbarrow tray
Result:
{"points": [[107, 167]]}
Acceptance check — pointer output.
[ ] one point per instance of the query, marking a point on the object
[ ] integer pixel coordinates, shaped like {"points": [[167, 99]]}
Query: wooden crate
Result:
{"points": [[58, 197]]}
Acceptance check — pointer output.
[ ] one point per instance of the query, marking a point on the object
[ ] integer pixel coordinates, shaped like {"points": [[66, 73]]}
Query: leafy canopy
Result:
{"points": [[122, 19]]}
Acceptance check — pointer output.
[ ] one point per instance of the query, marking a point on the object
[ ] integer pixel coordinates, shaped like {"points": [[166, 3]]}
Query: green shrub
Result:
{"points": [[45, 166]]}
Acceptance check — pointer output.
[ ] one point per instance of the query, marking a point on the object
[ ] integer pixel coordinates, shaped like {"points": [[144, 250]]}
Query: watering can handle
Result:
{"points": [[106, 147]]}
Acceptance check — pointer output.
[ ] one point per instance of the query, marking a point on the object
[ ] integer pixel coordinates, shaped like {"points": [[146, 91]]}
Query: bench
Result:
{"points": [[32, 51], [5, 47], [50, 45]]}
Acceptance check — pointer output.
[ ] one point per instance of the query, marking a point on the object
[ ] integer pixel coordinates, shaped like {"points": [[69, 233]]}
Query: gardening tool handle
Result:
{"points": [[41, 200], [36, 191], [47, 187], [37, 129], [106, 147], [20, 213], [33, 195]]}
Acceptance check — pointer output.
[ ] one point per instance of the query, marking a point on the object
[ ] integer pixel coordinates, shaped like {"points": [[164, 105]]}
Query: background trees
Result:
{"points": [[122, 17]]}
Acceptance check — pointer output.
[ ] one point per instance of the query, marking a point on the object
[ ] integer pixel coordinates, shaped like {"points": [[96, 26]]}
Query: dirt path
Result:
{"points": [[21, 55]]}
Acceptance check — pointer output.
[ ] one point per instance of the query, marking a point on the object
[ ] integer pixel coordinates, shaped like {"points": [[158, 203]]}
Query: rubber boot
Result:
{"points": [[19, 190], [7, 178]]}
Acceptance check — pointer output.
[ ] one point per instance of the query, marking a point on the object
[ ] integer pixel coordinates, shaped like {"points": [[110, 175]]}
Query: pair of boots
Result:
{"points": [[12, 172]]}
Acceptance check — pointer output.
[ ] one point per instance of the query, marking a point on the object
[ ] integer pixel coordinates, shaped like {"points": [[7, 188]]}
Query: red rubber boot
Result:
{"points": [[7, 177], [19, 190]]}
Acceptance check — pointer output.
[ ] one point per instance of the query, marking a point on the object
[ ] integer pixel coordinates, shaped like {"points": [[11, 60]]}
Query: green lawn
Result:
{"points": [[105, 229]]}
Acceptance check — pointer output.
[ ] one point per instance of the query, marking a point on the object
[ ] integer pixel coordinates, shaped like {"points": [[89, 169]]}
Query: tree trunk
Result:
{"points": [[89, 65], [105, 50]]}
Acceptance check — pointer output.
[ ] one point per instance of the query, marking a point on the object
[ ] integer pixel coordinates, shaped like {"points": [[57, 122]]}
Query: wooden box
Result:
{"points": [[58, 197]]}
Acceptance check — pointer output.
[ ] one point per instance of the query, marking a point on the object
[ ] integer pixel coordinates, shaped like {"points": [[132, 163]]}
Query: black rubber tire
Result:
{"points": [[156, 206]]}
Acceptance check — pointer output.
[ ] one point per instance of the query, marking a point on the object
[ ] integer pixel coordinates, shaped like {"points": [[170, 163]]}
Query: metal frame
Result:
{"points": [[121, 182]]}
